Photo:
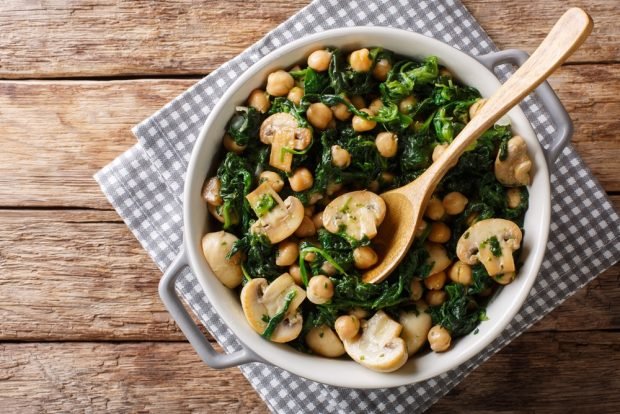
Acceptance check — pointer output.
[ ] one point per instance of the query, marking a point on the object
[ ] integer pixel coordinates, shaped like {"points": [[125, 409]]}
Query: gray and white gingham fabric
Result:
{"points": [[145, 185]]}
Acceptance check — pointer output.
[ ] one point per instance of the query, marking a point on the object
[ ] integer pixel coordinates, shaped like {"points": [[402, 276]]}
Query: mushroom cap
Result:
{"points": [[514, 171], [378, 345], [357, 213], [261, 301], [282, 121], [215, 247], [282, 220], [476, 245], [415, 327], [322, 340]]}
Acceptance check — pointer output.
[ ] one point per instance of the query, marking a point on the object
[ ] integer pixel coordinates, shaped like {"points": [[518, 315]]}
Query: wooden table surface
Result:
{"points": [[82, 327]]}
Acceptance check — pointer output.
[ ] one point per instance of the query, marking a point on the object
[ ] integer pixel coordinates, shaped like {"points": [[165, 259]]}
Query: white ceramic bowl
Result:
{"points": [[343, 372]]}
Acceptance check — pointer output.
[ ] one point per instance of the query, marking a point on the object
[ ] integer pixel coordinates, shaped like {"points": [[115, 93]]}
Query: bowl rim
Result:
{"points": [[268, 351]]}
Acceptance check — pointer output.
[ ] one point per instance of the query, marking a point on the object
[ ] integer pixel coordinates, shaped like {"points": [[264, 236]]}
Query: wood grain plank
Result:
{"points": [[81, 276], [566, 370], [544, 372], [94, 377], [57, 134], [126, 38]]}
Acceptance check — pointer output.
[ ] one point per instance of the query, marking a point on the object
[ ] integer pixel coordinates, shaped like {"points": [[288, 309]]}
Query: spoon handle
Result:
{"points": [[569, 32]]}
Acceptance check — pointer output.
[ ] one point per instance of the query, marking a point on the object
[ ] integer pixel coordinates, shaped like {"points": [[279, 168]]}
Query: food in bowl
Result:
{"points": [[297, 198]]}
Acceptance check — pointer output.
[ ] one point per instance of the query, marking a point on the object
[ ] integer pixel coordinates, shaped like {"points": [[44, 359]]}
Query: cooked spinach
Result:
{"points": [[279, 317], [244, 125]]}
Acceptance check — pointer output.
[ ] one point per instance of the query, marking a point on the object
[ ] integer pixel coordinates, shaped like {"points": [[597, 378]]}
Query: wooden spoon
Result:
{"points": [[405, 205]]}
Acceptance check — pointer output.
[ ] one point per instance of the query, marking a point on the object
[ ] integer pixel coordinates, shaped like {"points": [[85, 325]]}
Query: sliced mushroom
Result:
{"points": [[437, 257], [490, 242], [277, 219], [282, 132], [514, 170], [357, 213], [416, 325], [322, 340], [215, 247], [378, 345], [261, 301], [211, 191]]}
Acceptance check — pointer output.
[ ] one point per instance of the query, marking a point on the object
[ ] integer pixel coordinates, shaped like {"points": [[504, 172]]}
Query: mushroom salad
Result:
{"points": [[297, 196]]}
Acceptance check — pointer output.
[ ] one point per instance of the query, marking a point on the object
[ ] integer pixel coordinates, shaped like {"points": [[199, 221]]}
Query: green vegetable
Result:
{"points": [[260, 256], [279, 317], [244, 125], [236, 182], [460, 314], [265, 204]]}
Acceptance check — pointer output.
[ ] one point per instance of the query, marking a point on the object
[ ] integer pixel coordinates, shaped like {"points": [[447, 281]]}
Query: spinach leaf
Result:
{"points": [[460, 314], [244, 125], [343, 79], [260, 255], [236, 181], [279, 317]]}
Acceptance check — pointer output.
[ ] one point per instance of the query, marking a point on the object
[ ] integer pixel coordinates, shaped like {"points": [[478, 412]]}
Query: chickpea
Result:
{"points": [[273, 178], [211, 191], [295, 95], [407, 105], [374, 186], [347, 326], [364, 257], [375, 106], [513, 197], [332, 188], [359, 313], [387, 144], [279, 83], [416, 289], [434, 209], [259, 100], [381, 70], [341, 158], [328, 269], [438, 150], [319, 60], [341, 112], [435, 297], [320, 289], [310, 257], [358, 102], [309, 211], [475, 108], [360, 60], [422, 226], [436, 281], [295, 272], [232, 146], [301, 179], [319, 115], [360, 124], [306, 228], [288, 251], [317, 219], [387, 178], [440, 232], [454, 203], [439, 338], [460, 272]]}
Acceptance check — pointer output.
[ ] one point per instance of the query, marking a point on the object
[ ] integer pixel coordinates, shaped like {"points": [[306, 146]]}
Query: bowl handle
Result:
{"points": [[205, 350], [546, 95]]}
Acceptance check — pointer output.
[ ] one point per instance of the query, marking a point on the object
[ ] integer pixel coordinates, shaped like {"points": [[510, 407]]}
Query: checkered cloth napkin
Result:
{"points": [[145, 185]]}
